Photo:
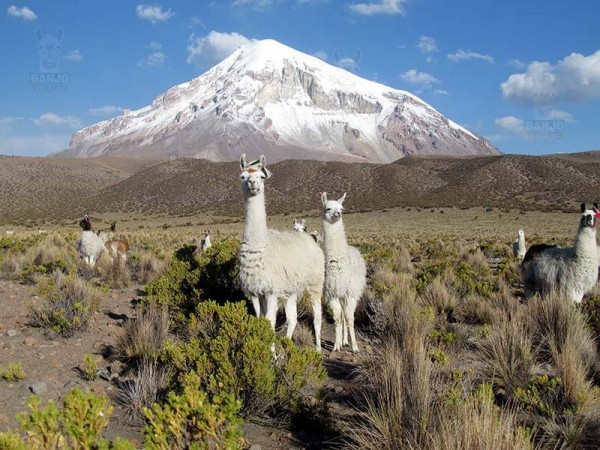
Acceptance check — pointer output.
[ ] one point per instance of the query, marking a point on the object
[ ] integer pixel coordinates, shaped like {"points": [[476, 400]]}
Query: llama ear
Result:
{"points": [[583, 207], [324, 198], [243, 162], [303, 223], [342, 198]]}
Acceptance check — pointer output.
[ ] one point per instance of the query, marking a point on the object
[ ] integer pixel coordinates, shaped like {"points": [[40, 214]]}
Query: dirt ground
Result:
{"points": [[53, 360]]}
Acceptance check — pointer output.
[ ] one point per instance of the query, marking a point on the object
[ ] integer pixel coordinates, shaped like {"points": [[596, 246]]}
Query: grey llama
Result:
{"points": [[569, 271]]}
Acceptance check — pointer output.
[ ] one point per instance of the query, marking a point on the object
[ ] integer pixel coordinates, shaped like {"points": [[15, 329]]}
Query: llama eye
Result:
{"points": [[328, 209]]}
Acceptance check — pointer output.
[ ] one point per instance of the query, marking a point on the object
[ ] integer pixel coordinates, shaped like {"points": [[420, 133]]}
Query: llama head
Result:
{"points": [[253, 175], [521, 233], [589, 216], [299, 226], [85, 223], [206, 233], [113, 226], [332, 209]]}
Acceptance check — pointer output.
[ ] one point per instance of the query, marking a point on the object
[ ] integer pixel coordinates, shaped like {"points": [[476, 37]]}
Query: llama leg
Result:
{"points": [[336, 309], [291, 314], [317, 313], [349, 316], [256, 305], [271, 310], [344, 324]]}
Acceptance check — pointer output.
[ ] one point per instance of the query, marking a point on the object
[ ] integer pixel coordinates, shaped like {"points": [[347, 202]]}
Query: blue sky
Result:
{"points": [[503, 69]]}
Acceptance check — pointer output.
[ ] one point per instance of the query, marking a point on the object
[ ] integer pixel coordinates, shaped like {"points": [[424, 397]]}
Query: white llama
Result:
{"points": [[90, 245], [519, 249], [276, 265], [299, 226], [345, 272], [570, 271], [206, 244]]}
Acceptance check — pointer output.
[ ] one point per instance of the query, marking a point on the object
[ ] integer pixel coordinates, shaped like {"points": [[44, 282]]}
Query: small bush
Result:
{"points": [[69, 304], [78, 424], [89, 368], [192, 421], [149, 386], [227, 350], [14, 372], [142, 338], [114, 271], [149, 268]]}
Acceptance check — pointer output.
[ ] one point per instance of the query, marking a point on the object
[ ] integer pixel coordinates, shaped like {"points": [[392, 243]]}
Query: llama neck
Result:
{"points": [[255, 225], [585, 243], [522, 243], [335, 246]]}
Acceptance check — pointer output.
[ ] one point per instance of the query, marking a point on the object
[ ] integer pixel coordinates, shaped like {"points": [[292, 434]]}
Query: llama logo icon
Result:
{"points": [[49, 77], [545, 125]]}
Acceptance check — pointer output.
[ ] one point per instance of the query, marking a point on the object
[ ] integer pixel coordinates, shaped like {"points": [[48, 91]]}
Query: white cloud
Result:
{"points": [[462, 55], [427, 45], [511, 124], [516, 63], [574, 79], [154, 46], [156, 59], [56, 120], [560, 115], [153, 13], [440, 92], [214, 47], [33, 146], [347, 63], [390, 7], [9, 120], [321, 55], [413, 76], [21, 13], [74, 55], [105, 111], [258, 4]]}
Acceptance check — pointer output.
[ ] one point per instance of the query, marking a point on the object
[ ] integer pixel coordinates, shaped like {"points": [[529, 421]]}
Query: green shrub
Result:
{"points": [[192, 421], [11, 441], [77, 425], [14, 372], [190, 279], [227, 350], [89, 369]]}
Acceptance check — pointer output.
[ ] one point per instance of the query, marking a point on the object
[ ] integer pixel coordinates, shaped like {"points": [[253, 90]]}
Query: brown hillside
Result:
{"points": [[65, 188]]}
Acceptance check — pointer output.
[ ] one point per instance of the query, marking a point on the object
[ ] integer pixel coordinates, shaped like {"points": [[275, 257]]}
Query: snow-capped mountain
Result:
{"points": [[269, 98]]}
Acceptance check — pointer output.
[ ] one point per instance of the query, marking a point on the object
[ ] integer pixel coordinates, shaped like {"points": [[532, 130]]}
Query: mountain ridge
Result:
{"points": [[269, 98]]}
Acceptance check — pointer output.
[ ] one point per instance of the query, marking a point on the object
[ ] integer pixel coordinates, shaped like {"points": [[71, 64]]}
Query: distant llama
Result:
{"points": [[90, 245], [570, 271], [276, 265], [116, 248], [299, 226], [345, 272], [206, 243], [10, 232], [518, 247]]}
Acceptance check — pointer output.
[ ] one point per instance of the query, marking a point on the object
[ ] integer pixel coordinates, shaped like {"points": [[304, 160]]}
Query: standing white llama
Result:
{"points": [[206, 244], [276, 265], [519, 249], [570, 271], [345, 272], [90, 245]]}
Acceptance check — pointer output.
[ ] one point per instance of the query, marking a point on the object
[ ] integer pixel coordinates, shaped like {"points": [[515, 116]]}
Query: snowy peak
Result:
{"points": [[267, 97]]}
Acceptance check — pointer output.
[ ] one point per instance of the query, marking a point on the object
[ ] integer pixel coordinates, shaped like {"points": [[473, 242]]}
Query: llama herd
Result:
{"points": [[281, 266]]}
